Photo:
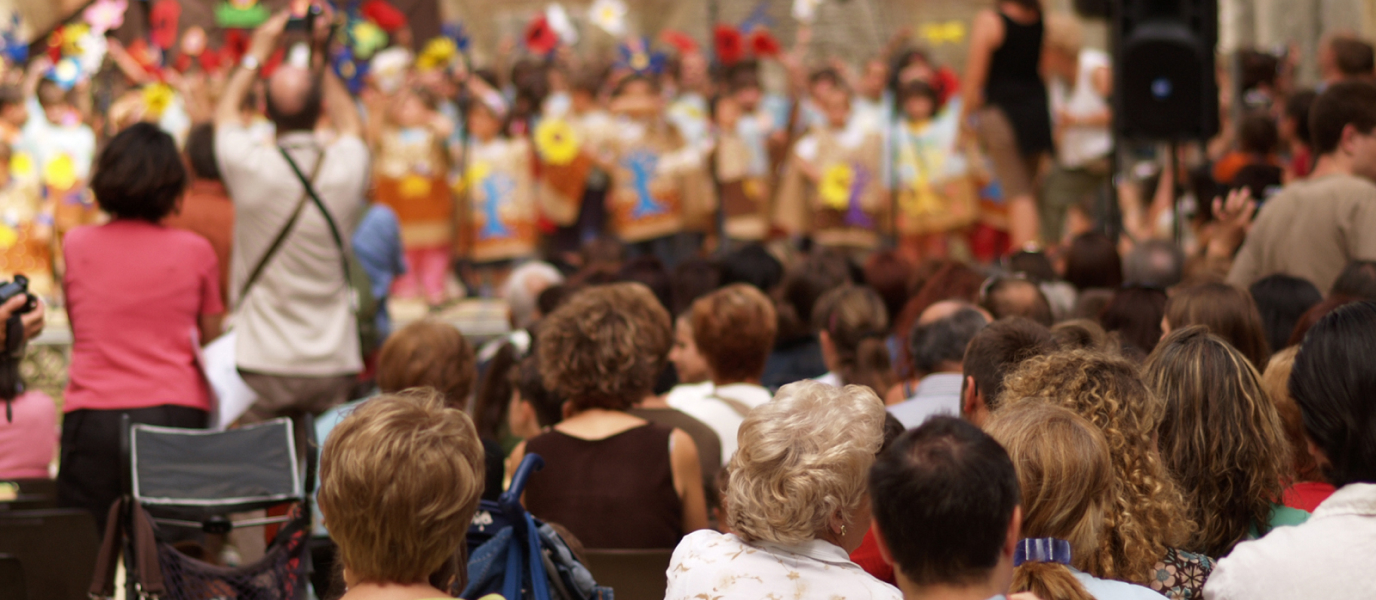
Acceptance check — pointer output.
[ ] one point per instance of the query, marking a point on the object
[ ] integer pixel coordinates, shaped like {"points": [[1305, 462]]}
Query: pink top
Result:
{"points": [[135, 294], [27, 444]]}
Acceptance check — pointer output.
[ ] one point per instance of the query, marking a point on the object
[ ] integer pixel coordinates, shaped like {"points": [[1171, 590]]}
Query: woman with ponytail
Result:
{"points": [[1066, 481], [852, 326]]}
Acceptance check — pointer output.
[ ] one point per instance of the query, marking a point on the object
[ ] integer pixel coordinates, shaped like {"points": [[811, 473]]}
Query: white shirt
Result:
{"points": [[297, 319], [708, 564], [703, 401], [936, 394], [1332, 556], [1082, 143]]}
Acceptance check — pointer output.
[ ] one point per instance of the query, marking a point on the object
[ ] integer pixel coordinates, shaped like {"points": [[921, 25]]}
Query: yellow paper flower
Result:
{"points": [[949, 32], [476, 172], [438, 53], [60, 173], [414, 186], [73, 37], [368, 38], [556, 142], [21, 165], [8, 237], [156, 98], [835, 186]]}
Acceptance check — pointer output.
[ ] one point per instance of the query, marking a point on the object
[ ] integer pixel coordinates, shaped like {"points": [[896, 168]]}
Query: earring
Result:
{"points": [[843, 530]]}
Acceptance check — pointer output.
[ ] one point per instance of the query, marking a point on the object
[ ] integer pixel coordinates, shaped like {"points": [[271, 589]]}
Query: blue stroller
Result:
{"points": [[512, 554]]}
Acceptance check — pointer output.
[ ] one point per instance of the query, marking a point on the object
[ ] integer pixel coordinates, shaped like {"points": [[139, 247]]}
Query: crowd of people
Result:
{"points": [[764, 328]]}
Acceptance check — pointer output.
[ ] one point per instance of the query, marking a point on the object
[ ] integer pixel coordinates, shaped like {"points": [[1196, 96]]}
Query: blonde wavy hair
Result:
{"points": [[803, 457], [400, 479], [1147, 515], [1221, 436], [1066, 479]]}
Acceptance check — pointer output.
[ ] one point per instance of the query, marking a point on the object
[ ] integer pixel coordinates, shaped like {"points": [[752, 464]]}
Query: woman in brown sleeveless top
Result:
{"points": [[613, 479]]}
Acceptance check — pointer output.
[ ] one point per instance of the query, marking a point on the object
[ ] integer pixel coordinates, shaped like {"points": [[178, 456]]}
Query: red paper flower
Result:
{"points": [[273, 62], [384, 15], [164, 18], [540, 37], [682, 42], [236, 44], [730, 47], [764, 45], [211, 60]]}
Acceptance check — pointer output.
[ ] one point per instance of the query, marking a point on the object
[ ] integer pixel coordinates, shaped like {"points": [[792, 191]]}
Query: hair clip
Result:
{"points": [[1050, 550]]}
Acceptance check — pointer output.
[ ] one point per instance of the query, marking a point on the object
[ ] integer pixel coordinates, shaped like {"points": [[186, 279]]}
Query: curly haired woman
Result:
{"points": [[1146, 523], [1222, 437]]}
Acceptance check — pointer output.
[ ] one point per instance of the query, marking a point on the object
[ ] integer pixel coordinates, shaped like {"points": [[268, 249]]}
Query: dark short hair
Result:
{"points": [[1093, 262], [999, 299], [944, 496], [998, 349], [200, 152], [526, 379], [650, 272], [1342, 104], [919, 89], [752, 264], [1297, 107], [889, 274], [1353, 57], [1358, 280], [944, 340], [1257, 133], [139, 174], [1134, 313], [692, 279], [1334, 383], [1281, 301], [304, 119], [1228, 312]]}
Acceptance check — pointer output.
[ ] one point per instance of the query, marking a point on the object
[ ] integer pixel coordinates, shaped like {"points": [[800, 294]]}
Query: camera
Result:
{"points": [[305, 22], [20, 285]]}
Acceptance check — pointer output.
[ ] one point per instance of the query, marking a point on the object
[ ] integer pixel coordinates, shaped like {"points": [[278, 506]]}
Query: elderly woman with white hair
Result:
{"points": [[797, 502]]}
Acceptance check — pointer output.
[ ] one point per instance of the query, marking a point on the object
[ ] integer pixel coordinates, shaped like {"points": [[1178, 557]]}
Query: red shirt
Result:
{"points": [[135, 294], [1307, 495], [867, 556]]}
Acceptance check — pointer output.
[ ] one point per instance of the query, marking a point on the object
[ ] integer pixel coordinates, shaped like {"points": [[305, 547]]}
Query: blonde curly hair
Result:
{"points": [[803, 457], [1146, 516]]}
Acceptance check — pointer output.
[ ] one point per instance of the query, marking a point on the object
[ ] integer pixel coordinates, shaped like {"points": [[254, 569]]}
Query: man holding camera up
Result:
{"points": [[297, 343]]}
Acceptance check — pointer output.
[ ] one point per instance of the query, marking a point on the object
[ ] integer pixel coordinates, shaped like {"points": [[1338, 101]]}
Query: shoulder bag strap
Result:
{"points": [[334, 228], [276, 244], [741, 408]]}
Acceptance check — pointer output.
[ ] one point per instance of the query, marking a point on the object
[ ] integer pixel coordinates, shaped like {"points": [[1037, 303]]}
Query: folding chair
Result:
{"points": [[194, 479], [634, 574], [57, 548]]}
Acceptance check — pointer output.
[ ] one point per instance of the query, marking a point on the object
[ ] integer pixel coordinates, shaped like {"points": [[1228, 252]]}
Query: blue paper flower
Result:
{"points": [[11, 47], [640, 59], [455, 31]]}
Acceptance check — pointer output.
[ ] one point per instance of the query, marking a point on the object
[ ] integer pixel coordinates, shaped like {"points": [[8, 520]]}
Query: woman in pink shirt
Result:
{"points": [[141, 298]]}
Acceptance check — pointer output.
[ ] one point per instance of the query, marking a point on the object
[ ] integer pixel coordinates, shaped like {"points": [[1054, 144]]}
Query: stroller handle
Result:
{"points": [[529, 464]]}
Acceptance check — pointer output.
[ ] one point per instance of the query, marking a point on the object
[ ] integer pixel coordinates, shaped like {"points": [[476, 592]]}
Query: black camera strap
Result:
{"points": [[10, 385]]}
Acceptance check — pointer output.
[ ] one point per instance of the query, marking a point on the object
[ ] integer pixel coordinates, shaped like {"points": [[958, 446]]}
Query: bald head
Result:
{"points": [[946, 308], [293, 99], [1011, 297]]}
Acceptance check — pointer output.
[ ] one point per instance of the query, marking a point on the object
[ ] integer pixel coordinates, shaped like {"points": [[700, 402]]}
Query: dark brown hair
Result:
{"points": [[854, 319], [140, 174], [431, 354], [734, 330], [1135, 314], [998, 349], [1227, 312]]}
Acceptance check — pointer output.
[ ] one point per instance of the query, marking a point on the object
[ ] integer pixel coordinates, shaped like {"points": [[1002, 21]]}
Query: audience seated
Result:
{"points": [[1065, 477], [1307, 488], [1016, 297], [534, 408], [401, 535], [993, 353], [1227, 312], [1147, 523], [1330, 555], [1222, 439], [797, 352], [733, 329], [1281, 300], [797, 502], [937, 348], [615, 480], [852, 327], [946, 512]]}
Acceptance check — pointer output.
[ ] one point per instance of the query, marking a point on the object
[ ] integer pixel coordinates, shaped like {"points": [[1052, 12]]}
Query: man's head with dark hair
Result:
{"points": [[1282, 300], [1093, 262], [692, 279], [1352, 58], [946, 499], [1334, 383], [754, 265], [993, 353], [294, 99], [200, 152], [1257, 133], [1341, 123], [1156, 263], [650, 272], [1016, 297], [1358, 281], [139, 175], [1033, 264], [938, 346], [1296, 117]]}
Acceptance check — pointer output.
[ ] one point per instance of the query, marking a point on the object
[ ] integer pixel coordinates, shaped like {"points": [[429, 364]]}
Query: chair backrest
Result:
{"points": [[632, 574], [28, 494], [215, 472], [57, 548], [12, 579]]}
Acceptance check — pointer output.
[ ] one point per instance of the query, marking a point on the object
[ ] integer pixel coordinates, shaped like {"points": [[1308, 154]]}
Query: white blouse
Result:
{"points": [[708, 564]]}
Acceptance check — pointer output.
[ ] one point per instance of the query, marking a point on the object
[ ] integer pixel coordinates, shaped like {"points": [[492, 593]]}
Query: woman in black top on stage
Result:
{"points": [[1006, 105]]}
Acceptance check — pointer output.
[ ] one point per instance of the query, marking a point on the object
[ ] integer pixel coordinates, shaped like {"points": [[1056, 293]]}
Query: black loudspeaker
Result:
{"points": [[1165, 85], [1092, 9]]}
